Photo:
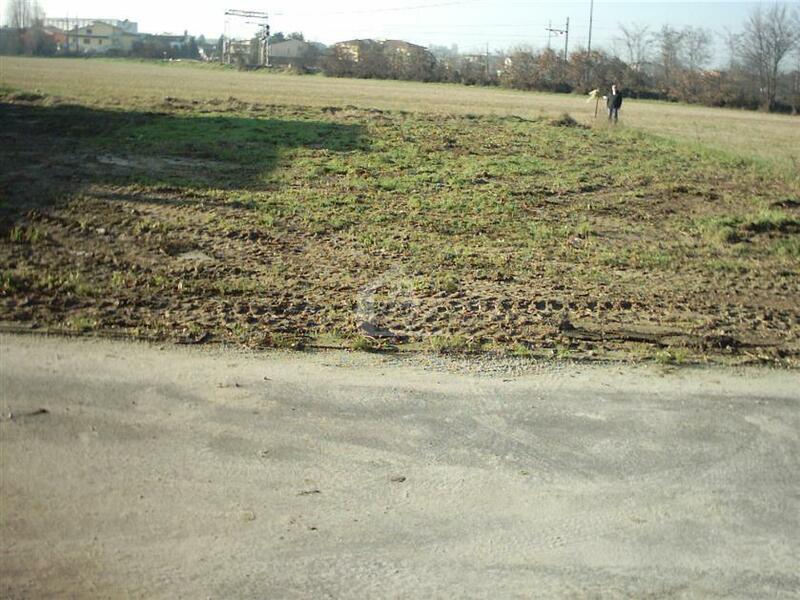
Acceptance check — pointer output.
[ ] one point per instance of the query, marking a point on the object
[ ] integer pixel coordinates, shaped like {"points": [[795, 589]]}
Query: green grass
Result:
{"points": [[81, 323], [672, 356], [741, 134], [22, 235]]}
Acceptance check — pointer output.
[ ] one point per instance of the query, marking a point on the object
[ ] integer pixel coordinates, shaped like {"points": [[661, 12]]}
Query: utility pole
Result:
{"points": [[565, 31], [265, 45], [262, 20], [589, 45]]}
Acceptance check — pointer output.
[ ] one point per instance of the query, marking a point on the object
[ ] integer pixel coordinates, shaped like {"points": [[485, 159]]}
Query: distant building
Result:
{"points": [[405, 48], [175, 42], [385, 59], [242, 52], [295, 53], [66, 23], [405, 51], [289, 49], [407, 60], [354, 50], [58, 36], [99, 37]]}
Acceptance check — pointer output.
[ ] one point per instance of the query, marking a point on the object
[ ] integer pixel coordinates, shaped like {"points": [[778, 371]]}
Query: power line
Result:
{"points": [[559, 32], [381, 10]]}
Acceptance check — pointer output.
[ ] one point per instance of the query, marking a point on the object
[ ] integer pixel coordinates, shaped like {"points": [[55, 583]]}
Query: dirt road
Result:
{"points": [[138, 471]]}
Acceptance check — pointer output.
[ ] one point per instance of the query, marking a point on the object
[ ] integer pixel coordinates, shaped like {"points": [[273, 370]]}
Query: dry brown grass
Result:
{"points": [[774, 138]]}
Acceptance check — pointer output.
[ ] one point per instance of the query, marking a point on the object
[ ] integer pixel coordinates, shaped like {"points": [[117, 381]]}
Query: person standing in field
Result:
{"points": [[614, 103]]}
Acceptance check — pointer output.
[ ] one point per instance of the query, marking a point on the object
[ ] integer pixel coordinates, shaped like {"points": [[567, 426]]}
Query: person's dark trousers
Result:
{"points": [[613, 113]]}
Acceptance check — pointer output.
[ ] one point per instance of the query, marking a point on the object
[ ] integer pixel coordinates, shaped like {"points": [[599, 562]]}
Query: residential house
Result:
{"points": [[354, 50], [408, 61], [296, 53], [67, 24], [176, 42], [407, 49], [58, 36], [99, 37]]}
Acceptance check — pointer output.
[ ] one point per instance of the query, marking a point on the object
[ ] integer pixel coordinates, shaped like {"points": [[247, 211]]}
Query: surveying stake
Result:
{"points": [[594, 95]]}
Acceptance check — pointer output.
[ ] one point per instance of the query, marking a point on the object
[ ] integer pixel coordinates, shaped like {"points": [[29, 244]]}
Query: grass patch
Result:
{"points": [[67, 283], [789, 247], [772, 220], [453, 344], [672, 356], [719, 230], [584, 230], [81, 323], [522, 351], [9, 282], [731, 229], [562, 352], [26, 235]]}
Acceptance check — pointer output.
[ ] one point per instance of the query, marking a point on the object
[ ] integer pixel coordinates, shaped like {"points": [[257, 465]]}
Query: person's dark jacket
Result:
{"points": [[614, 100]]}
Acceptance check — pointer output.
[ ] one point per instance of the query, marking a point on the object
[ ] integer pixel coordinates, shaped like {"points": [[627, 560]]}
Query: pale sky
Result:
{"points": [[471, 24]]}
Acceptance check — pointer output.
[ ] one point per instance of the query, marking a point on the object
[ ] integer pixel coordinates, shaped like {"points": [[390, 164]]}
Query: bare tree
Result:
{"points": [[767, 39], [794, 85], [636, 39], [697, 47], [669, 44], [732, 41], [17, 15], [22, 14]]}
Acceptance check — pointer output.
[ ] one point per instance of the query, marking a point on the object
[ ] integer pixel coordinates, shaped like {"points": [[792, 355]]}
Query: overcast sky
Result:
{"points": [[471, 24]]}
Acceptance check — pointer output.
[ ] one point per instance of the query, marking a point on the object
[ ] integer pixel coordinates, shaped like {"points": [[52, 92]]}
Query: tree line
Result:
{"points": [[762, 69]]}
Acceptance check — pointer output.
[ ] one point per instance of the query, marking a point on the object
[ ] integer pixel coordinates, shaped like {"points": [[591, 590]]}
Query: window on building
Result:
{"points": [[87, 41], [99, 42], [89, 31]]}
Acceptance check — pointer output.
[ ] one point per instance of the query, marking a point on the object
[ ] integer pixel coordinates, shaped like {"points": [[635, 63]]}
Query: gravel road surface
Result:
{"points": [[131, 470]]}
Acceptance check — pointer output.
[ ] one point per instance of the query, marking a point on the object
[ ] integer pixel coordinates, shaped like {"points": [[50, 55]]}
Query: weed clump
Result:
{"points": [[453, 344], [674, 356], [566, 120], [25, 97], [772, 220], [9, 282], [29, 235], [734, 229]]}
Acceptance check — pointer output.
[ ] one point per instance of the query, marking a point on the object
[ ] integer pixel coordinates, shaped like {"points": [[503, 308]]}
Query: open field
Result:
{"points": [[775, 138], [200, 204]]}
